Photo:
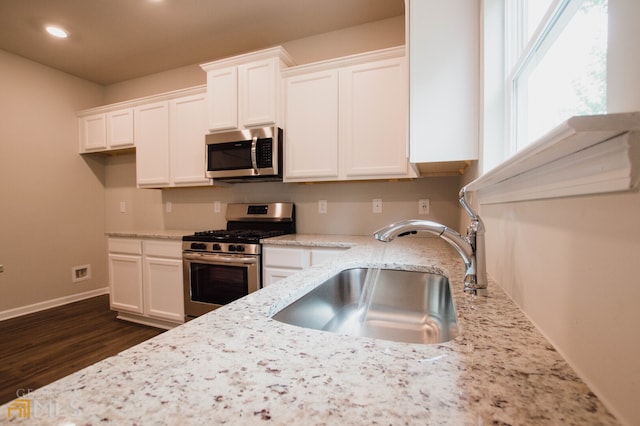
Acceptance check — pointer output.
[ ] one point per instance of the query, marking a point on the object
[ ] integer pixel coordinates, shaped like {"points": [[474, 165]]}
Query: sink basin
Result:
{"points": [[405, 306]]}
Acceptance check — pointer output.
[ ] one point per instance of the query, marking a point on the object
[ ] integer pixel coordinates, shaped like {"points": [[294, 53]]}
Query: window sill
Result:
{"points": [[584, 155]]}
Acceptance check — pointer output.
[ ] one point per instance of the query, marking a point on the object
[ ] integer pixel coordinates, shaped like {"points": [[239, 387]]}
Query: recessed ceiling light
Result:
{"points": [[56, 31]]}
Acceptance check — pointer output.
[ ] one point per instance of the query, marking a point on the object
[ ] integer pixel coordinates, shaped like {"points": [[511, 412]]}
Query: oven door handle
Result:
{"points": [[219, 258]]}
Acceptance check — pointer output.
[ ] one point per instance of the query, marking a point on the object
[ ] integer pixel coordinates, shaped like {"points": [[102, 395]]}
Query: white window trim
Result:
{"points": [[584, 155]]}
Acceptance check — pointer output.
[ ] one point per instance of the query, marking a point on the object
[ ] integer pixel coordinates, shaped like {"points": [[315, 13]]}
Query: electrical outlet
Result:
{"points": [[123, 206], [216, 206], [322, 206], [168, 206], [377, 205], [423, 206]]}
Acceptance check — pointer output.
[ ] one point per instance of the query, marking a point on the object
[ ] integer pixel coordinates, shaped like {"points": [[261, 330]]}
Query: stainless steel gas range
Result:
{"points": [[223, 265]]}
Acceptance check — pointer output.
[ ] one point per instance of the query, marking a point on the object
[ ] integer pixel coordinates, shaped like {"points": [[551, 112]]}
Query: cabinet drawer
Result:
{"points": [[172, 249], [286, 257], [124, 245], [323, 255]]}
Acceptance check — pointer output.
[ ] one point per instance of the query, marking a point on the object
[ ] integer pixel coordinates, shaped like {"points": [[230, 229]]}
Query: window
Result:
{"points": [[556, 55], [546, 61]]}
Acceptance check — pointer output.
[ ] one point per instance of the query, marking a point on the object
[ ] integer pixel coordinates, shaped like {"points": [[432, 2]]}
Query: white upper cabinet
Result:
{"points": [[258, 92], [106, 131], [168, 130], [222, 93], [311, 131], [152, 148], [373, 119], [120, 128], [243, 91], [188, 125], [443, 50], [93, 133], [170, 142], [346, 119]]}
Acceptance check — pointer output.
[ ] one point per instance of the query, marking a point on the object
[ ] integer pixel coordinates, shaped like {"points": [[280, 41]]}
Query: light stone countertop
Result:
{"points": [[238, 366], [160, 234]]}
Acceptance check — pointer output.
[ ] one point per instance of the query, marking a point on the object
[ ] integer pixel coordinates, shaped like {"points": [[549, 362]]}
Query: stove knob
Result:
{"points": [[231, 247], [198, 246], [240, 248], [216, 246]]}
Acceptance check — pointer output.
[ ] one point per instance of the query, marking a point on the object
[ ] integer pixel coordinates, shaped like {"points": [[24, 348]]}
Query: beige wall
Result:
{"points": [[349, 204], [52, 203], [572, 264]]}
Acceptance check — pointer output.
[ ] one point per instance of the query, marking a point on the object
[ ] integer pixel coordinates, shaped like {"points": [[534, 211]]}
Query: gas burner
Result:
{"points": [[234, 235]]}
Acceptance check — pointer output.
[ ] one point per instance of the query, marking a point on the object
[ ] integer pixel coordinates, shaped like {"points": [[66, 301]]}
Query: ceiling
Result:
{"points": [[116, 40]]}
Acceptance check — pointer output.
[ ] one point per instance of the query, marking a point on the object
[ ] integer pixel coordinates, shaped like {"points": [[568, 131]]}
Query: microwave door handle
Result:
{"points": [[254, 149]]}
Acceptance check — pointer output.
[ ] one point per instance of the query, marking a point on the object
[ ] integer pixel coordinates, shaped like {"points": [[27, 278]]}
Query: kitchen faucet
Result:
{"points": [[470, 247]]}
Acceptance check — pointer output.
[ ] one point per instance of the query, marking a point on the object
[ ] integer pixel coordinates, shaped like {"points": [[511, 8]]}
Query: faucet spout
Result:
{"points": [[400, 229], [469, 247]]}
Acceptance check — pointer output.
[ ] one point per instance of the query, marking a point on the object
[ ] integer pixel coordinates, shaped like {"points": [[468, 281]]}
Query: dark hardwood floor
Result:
{"points": [[42, 347]]}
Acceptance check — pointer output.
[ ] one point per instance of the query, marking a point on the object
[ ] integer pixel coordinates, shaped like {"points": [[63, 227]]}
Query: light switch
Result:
{"points": [[322, 206], [123, 206]]}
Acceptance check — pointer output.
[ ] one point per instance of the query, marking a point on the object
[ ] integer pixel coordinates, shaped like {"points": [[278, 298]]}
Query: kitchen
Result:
{"points": [[63, 203]]}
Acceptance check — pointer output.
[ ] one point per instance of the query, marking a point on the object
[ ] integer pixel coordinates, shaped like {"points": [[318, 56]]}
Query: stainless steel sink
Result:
{"points": [[405, 306]]}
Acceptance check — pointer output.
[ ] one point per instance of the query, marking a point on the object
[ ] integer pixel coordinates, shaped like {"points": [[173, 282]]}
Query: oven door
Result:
{"points": [[213, 280]]}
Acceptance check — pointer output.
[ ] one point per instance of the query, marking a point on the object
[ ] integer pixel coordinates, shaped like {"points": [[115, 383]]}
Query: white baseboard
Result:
{"points": [[40, 306]]}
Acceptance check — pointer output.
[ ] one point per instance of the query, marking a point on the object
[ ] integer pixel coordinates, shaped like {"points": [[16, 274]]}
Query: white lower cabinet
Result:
{"points": [[281, 261], [145, 279], [162, 279], [125, 275]]}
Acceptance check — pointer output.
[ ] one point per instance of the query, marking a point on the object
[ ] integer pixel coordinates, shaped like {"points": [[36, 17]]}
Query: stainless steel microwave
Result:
{"points": [[245, 155]]}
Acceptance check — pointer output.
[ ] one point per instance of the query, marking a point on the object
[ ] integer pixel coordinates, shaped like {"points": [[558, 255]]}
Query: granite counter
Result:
{"points": [[238, 366]]}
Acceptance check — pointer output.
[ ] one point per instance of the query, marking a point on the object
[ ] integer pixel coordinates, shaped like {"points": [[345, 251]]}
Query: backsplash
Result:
{"points": [[349, 204]]}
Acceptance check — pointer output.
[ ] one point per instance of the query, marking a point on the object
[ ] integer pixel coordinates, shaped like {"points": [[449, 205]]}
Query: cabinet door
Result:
{"points": [[120, 128], [444, 68], [188, 129], [125, 282], [311, 140], [222, 98], [163, 288], [93, 133], [273, 275], [257, 93], [152, 144], [373, 119]]}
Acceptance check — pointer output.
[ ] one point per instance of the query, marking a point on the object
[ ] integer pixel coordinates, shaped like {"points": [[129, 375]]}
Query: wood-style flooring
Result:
{"points": [[40, 348]]}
